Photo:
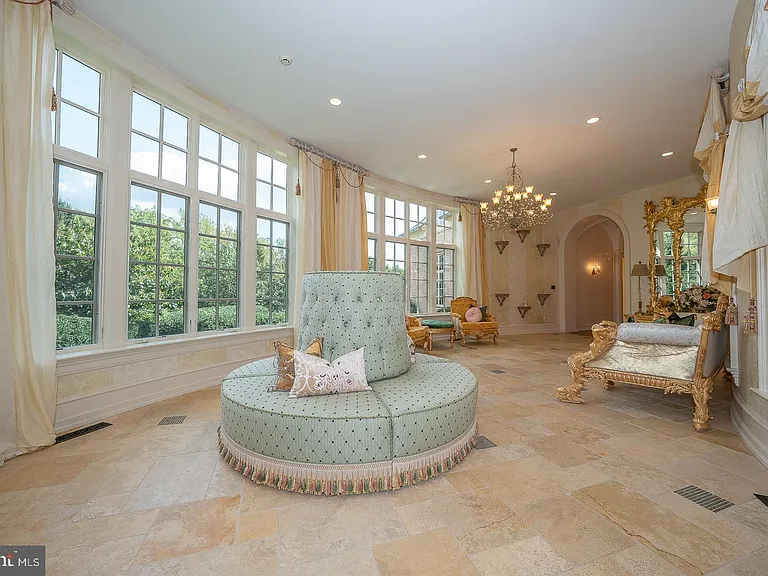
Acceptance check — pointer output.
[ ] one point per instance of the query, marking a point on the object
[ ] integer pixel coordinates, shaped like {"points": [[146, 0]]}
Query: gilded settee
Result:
{"points": [[487, 329], [676, 359]]}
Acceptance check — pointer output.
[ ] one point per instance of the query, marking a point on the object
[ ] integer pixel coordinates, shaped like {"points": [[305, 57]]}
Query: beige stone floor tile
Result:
{"points": [[581, 476], [726, 439], [106, 558], [360, 563], [576, 532], [256, 498], [432, 553], [189, 528], [519, 482], [649, 447], [530, 557], [665, 427], [562, 451], [175, 479], [742, 464], [736, 534], [687, 547], [637, 560], [104, 529], [102, 478], [576, 432], [637, 476], [753, 565], [420, 517], [752, 514], [225, 481], [256, 525], [435, 488], [464, 480], [54, 471], [331, 526], [730, 486]]}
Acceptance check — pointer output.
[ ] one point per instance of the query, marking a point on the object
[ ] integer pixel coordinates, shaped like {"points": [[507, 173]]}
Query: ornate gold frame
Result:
{"points": [[604, 335], [673, 213]]}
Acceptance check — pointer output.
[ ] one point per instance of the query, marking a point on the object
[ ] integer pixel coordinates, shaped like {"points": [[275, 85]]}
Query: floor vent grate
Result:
{"points": [[483, 442], [498, 371], [81, 432], [762, 498], [169, 420], [704, 499]]}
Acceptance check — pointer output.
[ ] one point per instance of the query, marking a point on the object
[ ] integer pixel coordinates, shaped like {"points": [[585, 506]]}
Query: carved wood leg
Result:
{"points": [[463, 339], [701, 392], [429, 341], [608, 384], [494, 337], [453, 338], [571, 394]]}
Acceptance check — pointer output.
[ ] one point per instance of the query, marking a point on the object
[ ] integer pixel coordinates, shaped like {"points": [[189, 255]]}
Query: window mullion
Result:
{"points": [[247, 253], [193, 251]]}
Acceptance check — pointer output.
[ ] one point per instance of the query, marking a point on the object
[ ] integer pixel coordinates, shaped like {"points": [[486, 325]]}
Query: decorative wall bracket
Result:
{"points": [[523, 234], [523, 310], [542, 248], [501, 245], [500, 298], [543, 298]]}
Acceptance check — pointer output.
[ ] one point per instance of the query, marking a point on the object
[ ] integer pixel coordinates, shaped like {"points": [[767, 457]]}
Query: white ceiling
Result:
{"points": [[459, 81]]}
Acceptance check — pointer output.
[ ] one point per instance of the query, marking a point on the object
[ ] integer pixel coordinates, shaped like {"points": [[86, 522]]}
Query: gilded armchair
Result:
{"points": [[487, 329], [676, 359], [420, 335]]}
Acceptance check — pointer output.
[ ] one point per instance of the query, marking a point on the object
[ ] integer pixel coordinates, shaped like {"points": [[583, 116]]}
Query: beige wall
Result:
{"points": [[594, 293], [522, 273]]}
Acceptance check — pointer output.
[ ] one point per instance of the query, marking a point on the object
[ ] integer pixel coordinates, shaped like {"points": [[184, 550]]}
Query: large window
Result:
{"points": [[77, 210], [271, 271], [394, 217], [218, 264], [417, 226], [76, 121], [690, 260], [271, 183], [444, 227], [158, 140], [157, 266], [418, 282], [394, 257], [372, 246], [219, 164], [370, 212], [445, 279]]}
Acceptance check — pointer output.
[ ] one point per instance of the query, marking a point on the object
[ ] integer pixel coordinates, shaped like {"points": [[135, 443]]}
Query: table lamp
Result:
{"points": [[640, 270]]}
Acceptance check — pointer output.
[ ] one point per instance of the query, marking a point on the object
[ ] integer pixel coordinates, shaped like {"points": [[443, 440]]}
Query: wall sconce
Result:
{"points": [[596, 270], [712, 204]]}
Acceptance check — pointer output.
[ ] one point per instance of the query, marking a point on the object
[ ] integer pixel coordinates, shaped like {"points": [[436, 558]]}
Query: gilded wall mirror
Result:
{"points": [[675, 239]]}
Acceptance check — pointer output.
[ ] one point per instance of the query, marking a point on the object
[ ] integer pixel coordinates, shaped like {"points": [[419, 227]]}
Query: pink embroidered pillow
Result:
{"points": [[474, 314]]}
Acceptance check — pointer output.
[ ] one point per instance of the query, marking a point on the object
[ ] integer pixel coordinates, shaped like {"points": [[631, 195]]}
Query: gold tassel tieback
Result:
{"points": [[750, 319], [54, 103], [731, 313]]}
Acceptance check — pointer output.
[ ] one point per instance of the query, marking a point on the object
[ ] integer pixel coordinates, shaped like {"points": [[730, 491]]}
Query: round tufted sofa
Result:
{"points": [[416, 422]]}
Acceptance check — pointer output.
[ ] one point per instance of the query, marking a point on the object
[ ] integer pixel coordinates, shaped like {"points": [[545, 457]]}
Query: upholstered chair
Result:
{"points": [[420, 335], [487, 329]]}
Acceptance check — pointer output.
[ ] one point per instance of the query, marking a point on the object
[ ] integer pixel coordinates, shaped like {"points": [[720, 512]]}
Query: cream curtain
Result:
{"points": [[471, 244], [742, 216], [709, 151], [308, 257], [328, 248], [344, 232], [28, 211]]}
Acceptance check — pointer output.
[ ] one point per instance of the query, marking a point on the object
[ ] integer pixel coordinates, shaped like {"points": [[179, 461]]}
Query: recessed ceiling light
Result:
{"points": [[593, 120], [667, 154], [694, 213], [488, 181], [335, 101], [422, 156], [553, 193]]}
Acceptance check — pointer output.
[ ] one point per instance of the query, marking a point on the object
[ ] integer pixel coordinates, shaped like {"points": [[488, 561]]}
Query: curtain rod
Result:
{"points": [[462, 200], [343, 163]]}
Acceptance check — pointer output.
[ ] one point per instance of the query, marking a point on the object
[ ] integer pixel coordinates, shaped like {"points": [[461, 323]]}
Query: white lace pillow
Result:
{"points": [[316, 376]]}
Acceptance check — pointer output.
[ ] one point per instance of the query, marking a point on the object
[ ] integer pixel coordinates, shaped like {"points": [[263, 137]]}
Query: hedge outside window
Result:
{"points": [[218, 165], [418, 292], [218, 263], [157, 264], [77, 230], [445, 279], [158, 140], [394, 257], [271, 183], [271, 271], [690, 260], [76, 121]]}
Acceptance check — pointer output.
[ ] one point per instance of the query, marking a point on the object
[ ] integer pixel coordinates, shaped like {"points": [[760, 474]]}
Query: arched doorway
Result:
{"points": [[594, 273]]}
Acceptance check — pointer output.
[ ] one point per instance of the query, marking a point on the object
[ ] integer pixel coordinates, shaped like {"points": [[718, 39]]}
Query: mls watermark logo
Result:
{"points": [[22, 560]]}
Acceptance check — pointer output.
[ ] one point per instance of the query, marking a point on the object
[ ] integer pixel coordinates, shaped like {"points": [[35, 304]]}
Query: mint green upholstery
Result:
{"points": [[437, 323], [352, 310]]}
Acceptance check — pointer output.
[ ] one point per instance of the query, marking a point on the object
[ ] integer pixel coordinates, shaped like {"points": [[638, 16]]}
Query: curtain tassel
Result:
{"points": [[750, 319], [459, 214], [731, 313], [54, 103], [298, 188]]}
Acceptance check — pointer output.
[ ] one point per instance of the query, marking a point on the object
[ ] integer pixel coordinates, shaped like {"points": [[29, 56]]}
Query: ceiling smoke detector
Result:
{"points": [[66, 6], [286, 60]]}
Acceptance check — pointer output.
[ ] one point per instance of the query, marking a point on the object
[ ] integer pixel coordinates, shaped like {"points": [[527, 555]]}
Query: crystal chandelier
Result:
{"points": [[514, 205]]}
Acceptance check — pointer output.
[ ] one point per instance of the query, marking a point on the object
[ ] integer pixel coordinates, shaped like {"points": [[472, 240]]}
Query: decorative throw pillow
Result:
{"points": [[316, 376], [285, 362], [688, 320], [474, 314], [484, 310], [412, 350], [661, 320]]}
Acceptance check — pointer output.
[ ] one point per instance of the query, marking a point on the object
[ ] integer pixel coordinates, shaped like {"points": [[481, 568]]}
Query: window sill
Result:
{"points": [[76, 361]]}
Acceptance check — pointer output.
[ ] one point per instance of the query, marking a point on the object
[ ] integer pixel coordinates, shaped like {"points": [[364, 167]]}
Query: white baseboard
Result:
{"points": [[758, 448], [511, 329], [74, 413]]}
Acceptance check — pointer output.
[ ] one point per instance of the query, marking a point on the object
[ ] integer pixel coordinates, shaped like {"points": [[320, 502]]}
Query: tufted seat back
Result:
{"points": [[351, 310]]}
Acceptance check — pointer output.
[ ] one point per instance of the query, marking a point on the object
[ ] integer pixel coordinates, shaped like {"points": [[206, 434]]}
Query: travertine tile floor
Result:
{"points": [[570, 490]]}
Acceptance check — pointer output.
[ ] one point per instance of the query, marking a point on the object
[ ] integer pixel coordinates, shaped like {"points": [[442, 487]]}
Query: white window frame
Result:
{"points": [[663, 259], [219, 164]]}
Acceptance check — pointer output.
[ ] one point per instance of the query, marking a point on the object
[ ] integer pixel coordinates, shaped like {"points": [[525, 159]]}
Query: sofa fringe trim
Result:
{"points": [[333, 480]]}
